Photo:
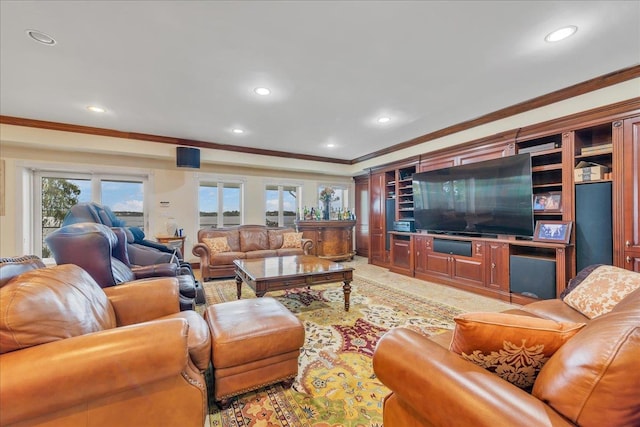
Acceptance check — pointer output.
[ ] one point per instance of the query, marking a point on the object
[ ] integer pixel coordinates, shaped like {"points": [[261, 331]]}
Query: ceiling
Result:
{"points": [[188, 69]]}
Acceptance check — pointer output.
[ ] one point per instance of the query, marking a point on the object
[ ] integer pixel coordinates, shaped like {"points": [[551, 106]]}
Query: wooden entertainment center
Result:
{"points": [[603, 207]]}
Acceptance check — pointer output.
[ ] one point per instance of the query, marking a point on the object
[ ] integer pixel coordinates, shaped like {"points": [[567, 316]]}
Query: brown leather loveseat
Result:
{"points": [[74, 354], [592, 378], [219, 247]]}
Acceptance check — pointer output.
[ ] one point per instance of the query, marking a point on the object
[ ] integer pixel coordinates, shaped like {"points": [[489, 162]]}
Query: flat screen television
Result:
{"points": [[492, 197]]}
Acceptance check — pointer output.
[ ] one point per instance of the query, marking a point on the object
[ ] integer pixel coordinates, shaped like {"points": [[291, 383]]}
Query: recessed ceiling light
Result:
{"points": [[561, 34], [238, 131], [41, 37], [384, 120], [96, 109], [330, 145], [262, 91]]}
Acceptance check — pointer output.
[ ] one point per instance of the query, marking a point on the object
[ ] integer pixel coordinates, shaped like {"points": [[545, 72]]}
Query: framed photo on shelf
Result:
{"points": [[552, 231], [548, 202]]}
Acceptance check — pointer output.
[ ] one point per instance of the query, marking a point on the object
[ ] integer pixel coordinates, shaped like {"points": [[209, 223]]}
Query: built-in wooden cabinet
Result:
{"points": [[607, 136], [630, 208], [332, 239]]}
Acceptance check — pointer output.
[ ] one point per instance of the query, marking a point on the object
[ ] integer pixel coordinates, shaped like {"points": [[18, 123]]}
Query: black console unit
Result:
{"points": [[453, 247], [532, 276]]}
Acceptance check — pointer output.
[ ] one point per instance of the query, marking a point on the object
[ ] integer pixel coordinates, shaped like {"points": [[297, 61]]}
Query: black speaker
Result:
{"points": [[390, 218], [453, 247], [532, 276], [188, 157], [594, 227]]}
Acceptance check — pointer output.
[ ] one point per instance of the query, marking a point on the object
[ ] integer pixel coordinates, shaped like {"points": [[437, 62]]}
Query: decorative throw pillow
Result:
{"points": [[601, 290], [292, 240], [513, 347], [217, 244]]}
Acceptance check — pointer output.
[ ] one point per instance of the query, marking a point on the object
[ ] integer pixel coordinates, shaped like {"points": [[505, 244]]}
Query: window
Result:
{"points": [[340, 200], [220, 204], [281, 205], [56, 192]]}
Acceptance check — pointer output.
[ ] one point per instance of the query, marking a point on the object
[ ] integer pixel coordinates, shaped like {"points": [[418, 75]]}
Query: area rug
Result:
{"points": [[336, 385]]}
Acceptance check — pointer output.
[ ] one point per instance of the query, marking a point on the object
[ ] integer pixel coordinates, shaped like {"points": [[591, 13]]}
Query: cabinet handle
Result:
{"points": [[493, 265], [627, 243], [628, 259]]}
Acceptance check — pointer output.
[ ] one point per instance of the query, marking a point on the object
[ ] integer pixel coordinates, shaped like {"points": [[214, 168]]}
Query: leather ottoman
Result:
{"points": [[254, 343]]}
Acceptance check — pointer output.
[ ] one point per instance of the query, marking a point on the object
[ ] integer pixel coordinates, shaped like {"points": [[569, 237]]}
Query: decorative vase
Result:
{"points": [[325, 213], [171, 226]]}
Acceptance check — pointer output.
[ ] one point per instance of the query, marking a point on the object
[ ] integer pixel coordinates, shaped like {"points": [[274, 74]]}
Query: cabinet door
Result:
{"points": [[631, 194], [438, 264], [362, 216], [376, 219], [401, 255], [497, 266], [467, 270], [420, 253]]}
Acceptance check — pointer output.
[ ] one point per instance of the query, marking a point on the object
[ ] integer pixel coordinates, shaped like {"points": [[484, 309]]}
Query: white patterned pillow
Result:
{"points": [[217, 244], [292, 240], [601, 290]]}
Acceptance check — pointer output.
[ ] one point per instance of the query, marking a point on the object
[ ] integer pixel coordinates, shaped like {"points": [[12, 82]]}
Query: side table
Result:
{"points": [[174, 242]]}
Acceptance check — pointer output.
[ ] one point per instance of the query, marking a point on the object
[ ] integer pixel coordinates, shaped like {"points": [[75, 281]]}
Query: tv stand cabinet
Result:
{"points": [[476, 264]]}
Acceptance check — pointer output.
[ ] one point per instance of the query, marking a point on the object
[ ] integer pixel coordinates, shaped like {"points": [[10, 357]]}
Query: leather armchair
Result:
{"points": [[124, 355], [103, 253], [142, 251], [591, 380]]}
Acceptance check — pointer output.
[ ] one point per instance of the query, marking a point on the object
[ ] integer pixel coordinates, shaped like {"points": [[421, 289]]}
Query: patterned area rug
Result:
{"points": [[336, 385]]}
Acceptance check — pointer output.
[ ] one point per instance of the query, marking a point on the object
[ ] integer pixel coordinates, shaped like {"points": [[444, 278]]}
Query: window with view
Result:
{"points": [[57, 192], [220, 204], [281, 205]]}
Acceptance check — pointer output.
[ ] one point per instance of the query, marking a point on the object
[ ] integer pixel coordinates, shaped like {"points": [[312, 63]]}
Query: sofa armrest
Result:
{"points": [[61, 374], [155, 270], [201, 250], [307, 245], [144, 300], [440, 386]]}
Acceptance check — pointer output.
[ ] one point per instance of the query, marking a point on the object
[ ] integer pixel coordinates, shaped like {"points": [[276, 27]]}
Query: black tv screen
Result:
{"points": [[492, 197]]}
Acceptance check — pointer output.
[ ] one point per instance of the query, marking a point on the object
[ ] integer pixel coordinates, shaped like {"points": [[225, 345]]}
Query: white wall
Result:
{"points": [[21, 147]]}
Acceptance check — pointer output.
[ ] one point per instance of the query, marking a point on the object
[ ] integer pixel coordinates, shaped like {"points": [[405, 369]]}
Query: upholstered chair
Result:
{"points": [[74, 354], [103, 253]]}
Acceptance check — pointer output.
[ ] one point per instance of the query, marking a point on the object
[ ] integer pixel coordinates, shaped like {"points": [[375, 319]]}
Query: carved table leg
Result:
{"points": [[239, 285], [346, 288]]}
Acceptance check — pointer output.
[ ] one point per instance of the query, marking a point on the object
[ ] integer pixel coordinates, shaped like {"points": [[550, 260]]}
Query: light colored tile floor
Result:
{"points": [[461, 299]]}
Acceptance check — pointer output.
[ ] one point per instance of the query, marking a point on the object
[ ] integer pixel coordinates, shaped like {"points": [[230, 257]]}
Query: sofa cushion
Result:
{"points": [[51, 304], [253, 239], [217, 244], [227, 258], [593, 379], [603, 288], [511, 346], [275, 237], [291, 240], [265, 253]]}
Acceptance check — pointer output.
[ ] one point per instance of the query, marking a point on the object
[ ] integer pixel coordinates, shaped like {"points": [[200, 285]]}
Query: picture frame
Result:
{"points": [[548, 202], [552, 231]]}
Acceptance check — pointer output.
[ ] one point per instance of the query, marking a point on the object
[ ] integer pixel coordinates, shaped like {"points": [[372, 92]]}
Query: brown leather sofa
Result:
{"points": [[245, 242], [591, 380], [73, 354]]}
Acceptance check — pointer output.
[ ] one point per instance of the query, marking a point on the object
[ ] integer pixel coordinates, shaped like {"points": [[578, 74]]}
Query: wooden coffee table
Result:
{"points": [[277, 273]]}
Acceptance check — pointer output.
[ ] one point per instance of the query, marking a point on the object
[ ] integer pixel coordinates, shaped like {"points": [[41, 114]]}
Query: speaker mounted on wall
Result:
{"points": [[188, 157]]}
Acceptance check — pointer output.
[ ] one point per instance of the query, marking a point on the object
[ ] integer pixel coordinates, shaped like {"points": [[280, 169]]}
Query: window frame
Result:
{"points": [[220, 181], [29, 177], [280, 186]]}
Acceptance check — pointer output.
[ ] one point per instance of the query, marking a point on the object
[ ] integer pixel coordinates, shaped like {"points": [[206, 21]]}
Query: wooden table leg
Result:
{"points": [[346, 288], [239, 285]]}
